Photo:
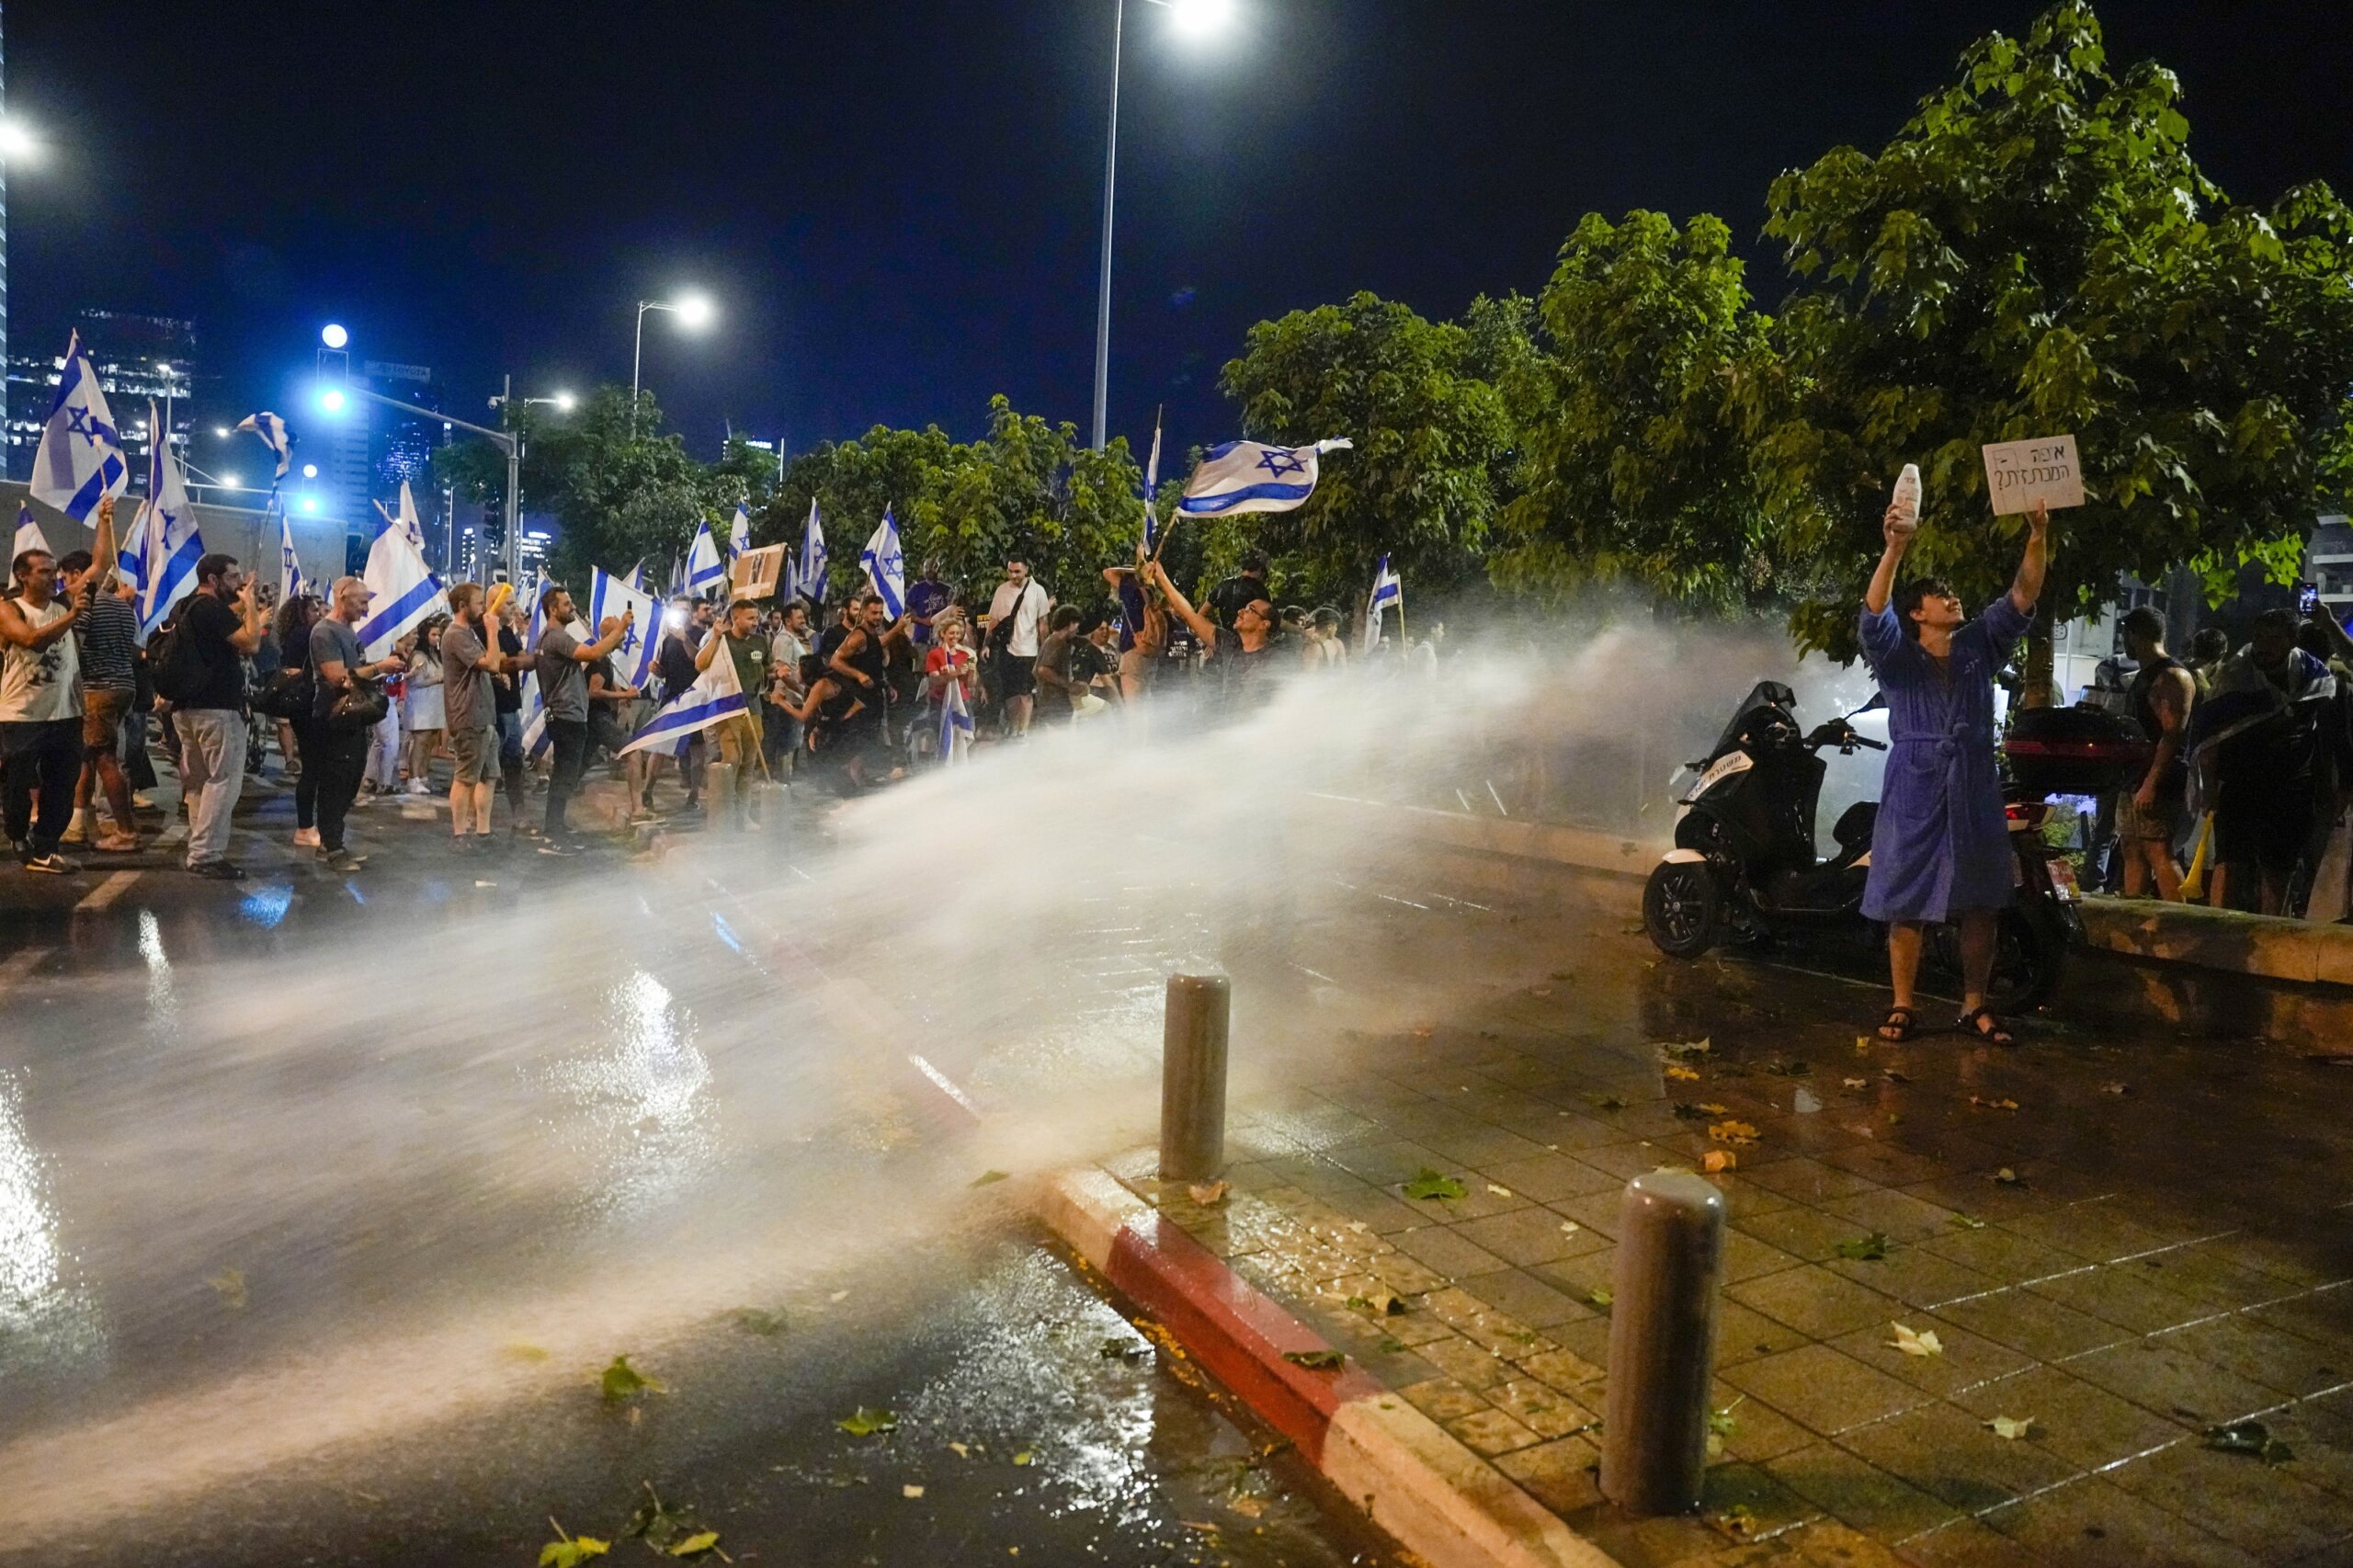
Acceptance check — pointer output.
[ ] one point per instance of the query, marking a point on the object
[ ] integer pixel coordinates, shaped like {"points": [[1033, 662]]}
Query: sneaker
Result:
{"points": [[344, 861], [140, 801], [560, 847], [306, 838], [118, 843], [216, 871], [419, 787], [49, 865], [77, 831]]}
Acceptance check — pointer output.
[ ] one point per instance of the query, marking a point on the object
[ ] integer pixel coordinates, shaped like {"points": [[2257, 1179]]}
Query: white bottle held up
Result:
{"points": [[1908, 500]]}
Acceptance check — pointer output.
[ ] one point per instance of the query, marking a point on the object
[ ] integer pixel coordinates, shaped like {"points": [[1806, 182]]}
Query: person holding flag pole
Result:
{"points": [[1387, 590], [1248, 476], [809, 570]]}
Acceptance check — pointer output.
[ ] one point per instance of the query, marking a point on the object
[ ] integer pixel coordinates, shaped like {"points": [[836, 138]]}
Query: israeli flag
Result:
{"points": [[808, 572], [1388, 589], [635, 580], [704, 569], [290, 581], [1151, 490], [170, 545], [80, 456], [955, 725], [1244, 476], [715, 696], [28, 534], [886, 566], [272, 431], [405, 519], [405, 591], [739, 532], [611, 596]]}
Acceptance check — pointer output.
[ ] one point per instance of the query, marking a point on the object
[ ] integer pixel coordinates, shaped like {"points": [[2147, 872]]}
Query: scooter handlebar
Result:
{"points": [[1874, 745]]}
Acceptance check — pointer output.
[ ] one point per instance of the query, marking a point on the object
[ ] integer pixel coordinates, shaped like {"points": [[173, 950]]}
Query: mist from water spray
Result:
{"points": [[512, 1139]]}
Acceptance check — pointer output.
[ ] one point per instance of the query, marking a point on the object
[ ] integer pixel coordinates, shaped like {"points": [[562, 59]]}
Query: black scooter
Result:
{"points": [[1743, 864]]}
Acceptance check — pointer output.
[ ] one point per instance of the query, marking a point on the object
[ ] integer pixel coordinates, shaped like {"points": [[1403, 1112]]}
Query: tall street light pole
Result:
{"points": [[693, 311], [1197, 16]]}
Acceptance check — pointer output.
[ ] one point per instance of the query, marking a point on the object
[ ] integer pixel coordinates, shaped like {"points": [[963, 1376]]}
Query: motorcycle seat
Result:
{"points": [[1854, 827]]}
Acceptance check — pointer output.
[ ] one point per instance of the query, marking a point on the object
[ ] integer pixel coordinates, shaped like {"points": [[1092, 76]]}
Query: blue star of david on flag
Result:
{"points": [[80, 457], [1249, 476]]}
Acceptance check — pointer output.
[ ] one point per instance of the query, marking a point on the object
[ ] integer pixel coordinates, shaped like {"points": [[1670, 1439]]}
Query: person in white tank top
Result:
{"points": [[40, 712]]}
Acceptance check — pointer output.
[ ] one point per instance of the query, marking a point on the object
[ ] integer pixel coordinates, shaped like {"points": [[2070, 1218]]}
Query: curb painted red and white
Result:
{"points": [[1413, 1478]]}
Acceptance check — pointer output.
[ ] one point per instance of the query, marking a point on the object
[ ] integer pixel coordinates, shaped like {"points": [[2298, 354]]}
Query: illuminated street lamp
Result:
{"points": [[16, 142], [1195, 18], [694, 310]]}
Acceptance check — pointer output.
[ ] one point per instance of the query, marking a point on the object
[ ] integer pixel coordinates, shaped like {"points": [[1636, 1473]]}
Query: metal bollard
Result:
{"points": [[719, 780], [1192, 1078], [1661, 1343]]}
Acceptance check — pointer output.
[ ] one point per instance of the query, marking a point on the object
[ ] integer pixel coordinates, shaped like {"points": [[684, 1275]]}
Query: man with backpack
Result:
{"points": [[203, 674]]}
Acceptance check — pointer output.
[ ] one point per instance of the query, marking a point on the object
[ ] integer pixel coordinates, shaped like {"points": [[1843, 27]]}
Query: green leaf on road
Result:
{"points": [[1430, 1185], [1967, 1222], [2250, 1438], [1599, 1297], [1316, 1360], [571, 1550], [865, 1423], [1868, 1249], [623, 1382], [695, 1545]]}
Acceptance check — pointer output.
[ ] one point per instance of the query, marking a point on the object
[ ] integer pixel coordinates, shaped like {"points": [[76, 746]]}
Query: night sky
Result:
{"points": [[895, 205]]}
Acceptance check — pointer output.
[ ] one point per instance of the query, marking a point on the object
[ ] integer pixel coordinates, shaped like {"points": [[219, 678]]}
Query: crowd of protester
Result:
{"points": [[843, 697], [2246, 799]]}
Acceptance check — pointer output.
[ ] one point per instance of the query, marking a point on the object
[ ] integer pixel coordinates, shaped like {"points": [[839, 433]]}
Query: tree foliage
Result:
{"points": [[1432, 439], [1637, 404], [2035, 253]]}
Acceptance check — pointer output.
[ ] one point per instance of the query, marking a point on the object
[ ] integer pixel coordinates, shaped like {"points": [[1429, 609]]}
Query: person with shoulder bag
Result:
{"points": [[348, 706]]}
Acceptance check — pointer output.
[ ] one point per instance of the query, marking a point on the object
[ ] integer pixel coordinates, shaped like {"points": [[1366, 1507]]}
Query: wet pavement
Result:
{"points": [[298, 1269]]}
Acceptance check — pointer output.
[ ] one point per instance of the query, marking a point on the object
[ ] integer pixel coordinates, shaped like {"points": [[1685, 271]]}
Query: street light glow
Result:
{"points": [[231, 482], [332, 400], [694, 310], [310, 502], [332, 335], [310, 470], [1200, 18], [564, 402], [17, 144], [221, 432]]}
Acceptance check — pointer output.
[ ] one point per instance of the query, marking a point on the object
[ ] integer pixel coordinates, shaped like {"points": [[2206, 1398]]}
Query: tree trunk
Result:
{"points": [[2039, 657]]}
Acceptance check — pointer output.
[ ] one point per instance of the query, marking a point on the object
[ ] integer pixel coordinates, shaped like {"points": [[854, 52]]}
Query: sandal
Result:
{"points": [[1988, 1028], [1901, 1024]]}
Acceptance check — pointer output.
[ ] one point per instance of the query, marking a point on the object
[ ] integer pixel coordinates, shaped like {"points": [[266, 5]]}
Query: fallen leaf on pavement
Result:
{"points": [[1569, 1227], [701, 1541], [2115, 1088], [571, 1550], [1684, 1074], [2009, 1177], [1865, 1249], [1857, 1082], [1024, 1457], [1714, 1109], [2252, 1438], [1733, 1132], [1209, 1193], [1117, 1348], [1716, 1159], [1316, 1360], [1923, 1343], [1967, 1223], [1862, 1045], [1599, 1297], [2010, 1430], [1686, 1050], [961, 1451], [1895, 1076], [911, 1490], [1247, 1507], [622, 1380], [865, 1423], [1380, 1303], [1430, 1186], [1499, 1191], [1982, 1102], [1685, 1110], [230, 1283]]}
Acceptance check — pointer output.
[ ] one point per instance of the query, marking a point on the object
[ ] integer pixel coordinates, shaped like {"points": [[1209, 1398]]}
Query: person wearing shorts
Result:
{"points": [[106, 635], [472, 654]]}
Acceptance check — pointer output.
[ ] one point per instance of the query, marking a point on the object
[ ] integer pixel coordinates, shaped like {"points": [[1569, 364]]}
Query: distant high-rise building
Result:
{"points": [[369, 451], [137, 359]]}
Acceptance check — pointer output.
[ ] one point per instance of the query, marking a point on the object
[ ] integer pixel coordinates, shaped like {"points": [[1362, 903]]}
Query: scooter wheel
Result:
{"points": [[1683, 910]]}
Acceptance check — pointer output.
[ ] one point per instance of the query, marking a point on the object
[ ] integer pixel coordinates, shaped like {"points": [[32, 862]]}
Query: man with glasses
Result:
{"points": [[1244, 658]]}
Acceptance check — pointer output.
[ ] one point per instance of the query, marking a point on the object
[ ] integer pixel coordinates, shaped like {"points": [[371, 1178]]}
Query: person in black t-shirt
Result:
{"points": [[1245, 659], [219, 628]]}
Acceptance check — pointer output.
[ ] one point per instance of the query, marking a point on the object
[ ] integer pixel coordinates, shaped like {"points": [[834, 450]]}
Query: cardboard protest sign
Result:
{"points": [[754, 573], [2020, 473]]}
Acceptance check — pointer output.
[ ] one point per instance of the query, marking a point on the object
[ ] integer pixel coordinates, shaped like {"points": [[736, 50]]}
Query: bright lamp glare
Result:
{"points": [[231, 482], [694, 309], [310, 470], [332, 401], [17, 144], [333, 335], [310, 502], [1201, 17], [221, 431], [565, 402]]}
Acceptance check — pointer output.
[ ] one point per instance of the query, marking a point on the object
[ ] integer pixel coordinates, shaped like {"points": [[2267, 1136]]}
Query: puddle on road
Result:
{"points": [[1077, 1444]]}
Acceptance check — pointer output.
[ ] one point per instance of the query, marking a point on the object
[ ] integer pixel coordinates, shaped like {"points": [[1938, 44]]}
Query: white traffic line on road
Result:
{"points": [[176, 833], [17, 965], [106, 892]]}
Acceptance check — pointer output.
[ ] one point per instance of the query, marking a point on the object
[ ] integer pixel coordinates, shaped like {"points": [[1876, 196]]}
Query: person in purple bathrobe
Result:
{"points": [[1941, 849]]}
